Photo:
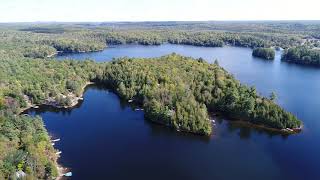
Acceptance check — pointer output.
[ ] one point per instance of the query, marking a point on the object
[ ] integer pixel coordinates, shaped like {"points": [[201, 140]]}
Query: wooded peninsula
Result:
{"points": [[176, 91]]}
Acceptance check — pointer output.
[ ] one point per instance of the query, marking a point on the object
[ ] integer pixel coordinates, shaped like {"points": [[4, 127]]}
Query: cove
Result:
{"points": [[104, 138]]}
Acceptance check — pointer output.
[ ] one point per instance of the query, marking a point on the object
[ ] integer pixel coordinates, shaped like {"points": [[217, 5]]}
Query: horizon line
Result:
{"points": [[138, 21]]}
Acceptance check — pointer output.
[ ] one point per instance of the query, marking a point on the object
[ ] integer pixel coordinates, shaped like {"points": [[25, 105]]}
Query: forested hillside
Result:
{"points": [[24, 142], [174, 90], [178, 91]]}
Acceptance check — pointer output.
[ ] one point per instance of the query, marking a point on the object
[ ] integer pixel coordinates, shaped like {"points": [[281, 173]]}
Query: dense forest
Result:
{"points": [[265, 53], [25, 145], [45, 40], [302, 55], [177, 91], [174, 90], [24, 142]]}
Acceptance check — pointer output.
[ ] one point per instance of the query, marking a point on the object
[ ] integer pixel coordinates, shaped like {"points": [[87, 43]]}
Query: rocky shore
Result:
{"points": [[74, 100], [52, 101]]}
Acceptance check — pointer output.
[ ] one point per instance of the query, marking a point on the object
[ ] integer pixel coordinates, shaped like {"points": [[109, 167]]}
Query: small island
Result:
{"points": [[264, 53]]}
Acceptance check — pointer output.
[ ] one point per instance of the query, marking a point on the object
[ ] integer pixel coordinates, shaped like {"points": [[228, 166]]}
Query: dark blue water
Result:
{"points": [[104, 139]]}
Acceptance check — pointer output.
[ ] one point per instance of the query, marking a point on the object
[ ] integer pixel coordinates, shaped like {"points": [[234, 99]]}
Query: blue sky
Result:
{"points": [[157, 10]]}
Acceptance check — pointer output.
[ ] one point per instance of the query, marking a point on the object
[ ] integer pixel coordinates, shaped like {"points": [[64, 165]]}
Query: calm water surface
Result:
{"points": [[105, 139]]}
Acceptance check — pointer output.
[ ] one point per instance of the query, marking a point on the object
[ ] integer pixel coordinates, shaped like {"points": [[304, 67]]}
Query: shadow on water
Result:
{"points": [[46, 108], [228, 151], [68, 111], [244, 131], [158, 130], [265, 61]]}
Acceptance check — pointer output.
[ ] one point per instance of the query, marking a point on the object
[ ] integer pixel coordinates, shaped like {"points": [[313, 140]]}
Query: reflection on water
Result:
{"points": [[104, 138], [89, 133]]}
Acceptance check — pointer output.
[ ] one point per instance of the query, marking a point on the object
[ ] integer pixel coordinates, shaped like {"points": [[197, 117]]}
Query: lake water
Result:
{"points": [[104, 138]]}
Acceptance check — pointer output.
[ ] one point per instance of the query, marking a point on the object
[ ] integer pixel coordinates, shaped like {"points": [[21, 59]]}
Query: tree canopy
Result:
{"points": [[302, 55], [265, 53], [178, 91], [175, 91]]}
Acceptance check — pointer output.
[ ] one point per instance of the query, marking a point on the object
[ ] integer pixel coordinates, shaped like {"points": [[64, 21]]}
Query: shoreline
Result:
{"points": [[287, 131], [211, 114], [60, 168], [67, 52], [61, 171], [52, 55], [75, 101]]}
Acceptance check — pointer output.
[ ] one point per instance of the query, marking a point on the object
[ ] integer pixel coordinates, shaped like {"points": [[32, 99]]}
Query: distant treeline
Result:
{"points": [[209, 39], [42, 42]]}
